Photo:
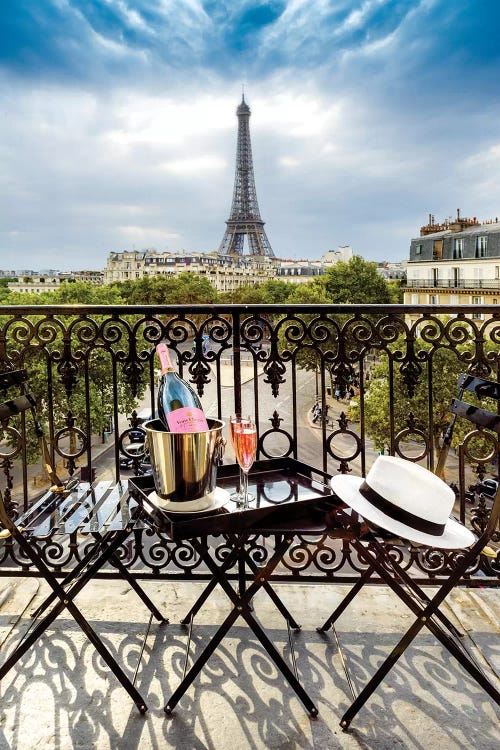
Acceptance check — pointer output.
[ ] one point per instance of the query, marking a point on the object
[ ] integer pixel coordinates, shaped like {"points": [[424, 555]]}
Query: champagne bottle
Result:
{"points": [[179, 408]]}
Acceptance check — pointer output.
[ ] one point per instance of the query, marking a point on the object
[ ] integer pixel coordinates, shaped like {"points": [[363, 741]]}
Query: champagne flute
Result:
{"points": [[235, 424], [244, 437]]}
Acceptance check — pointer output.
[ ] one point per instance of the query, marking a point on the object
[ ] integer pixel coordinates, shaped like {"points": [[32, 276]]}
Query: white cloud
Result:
{"points": [[200, 165], [289, 161]]}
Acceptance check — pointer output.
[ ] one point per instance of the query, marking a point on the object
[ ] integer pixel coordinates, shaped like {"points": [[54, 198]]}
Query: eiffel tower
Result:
{"points": [[245, 216]]}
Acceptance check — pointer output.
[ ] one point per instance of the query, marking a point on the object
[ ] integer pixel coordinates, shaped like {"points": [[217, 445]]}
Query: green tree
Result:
{"points": [[276, 291], [186, 288], [357, 281], [396, 291], [446, 367], [247, 294]]}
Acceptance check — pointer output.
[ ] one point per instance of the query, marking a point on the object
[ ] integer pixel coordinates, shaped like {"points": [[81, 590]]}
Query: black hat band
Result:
{"points": [[398, 514]]}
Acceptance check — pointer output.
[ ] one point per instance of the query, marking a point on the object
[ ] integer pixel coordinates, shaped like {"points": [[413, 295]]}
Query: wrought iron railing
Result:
{"points": [[271, 361]]}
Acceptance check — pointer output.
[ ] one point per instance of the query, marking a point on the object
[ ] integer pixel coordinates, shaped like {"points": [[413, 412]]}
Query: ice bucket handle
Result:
{"points": [[220, 446]]}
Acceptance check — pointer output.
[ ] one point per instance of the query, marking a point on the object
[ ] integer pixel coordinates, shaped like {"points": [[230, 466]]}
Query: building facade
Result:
{"points": [[224, 273], [36, 283], [455, 263]]}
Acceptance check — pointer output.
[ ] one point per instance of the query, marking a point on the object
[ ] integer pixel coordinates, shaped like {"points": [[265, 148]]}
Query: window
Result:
{"points": [[433, 299], [437, 250], [414, 299], [418, 249], [481, 247], [458, 247], [477, 301], [454, 299]]}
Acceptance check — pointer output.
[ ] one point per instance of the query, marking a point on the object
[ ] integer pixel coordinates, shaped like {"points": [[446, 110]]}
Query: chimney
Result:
{"points": [[458, 214]]}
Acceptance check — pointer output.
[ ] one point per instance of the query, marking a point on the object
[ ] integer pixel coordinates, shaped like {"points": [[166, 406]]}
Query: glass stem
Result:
{"points": [[240, 488], [245, 488]]}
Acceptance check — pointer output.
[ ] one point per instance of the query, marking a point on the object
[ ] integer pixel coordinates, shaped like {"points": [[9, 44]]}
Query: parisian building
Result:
{"points": [[456, 262]]}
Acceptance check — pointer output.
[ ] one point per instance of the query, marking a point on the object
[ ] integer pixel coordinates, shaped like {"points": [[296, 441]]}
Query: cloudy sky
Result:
{"points": [[118, 124]]}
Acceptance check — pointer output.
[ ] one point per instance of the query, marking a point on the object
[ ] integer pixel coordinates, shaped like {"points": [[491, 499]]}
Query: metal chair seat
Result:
{"points": [[374, 548], [103, 513]]}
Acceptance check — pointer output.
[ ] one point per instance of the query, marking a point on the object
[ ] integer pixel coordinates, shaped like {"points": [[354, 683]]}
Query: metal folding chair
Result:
{"points": [[102, 511], [374, 547]]}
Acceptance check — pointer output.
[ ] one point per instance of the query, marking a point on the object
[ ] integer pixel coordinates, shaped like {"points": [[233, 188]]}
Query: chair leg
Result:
{"points": [[347, 599], [425, 612], [66, 601]]}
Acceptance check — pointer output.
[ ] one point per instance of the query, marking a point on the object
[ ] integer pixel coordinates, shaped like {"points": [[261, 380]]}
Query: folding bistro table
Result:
{"points": [[288, 502]]}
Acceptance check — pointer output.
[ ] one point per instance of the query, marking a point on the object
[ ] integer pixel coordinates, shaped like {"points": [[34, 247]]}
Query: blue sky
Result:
{"points": [[118, 126]]}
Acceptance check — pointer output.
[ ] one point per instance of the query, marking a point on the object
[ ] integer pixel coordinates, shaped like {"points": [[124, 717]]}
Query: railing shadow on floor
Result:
{"points": [[62, 696]]}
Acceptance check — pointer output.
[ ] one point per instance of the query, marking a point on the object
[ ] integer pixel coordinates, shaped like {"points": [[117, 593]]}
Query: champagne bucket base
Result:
{"points": [[184, 464], [215, 499]]}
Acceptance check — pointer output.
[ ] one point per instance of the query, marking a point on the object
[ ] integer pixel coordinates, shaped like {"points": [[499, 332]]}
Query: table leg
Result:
{"points": [[242, 607]]}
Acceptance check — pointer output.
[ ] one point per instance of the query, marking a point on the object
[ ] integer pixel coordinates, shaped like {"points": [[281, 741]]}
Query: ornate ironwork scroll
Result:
{"points": [[392, 370]]}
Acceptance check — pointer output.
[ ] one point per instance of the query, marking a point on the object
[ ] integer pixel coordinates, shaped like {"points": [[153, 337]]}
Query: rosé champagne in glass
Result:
{"points": [[244, 441]]}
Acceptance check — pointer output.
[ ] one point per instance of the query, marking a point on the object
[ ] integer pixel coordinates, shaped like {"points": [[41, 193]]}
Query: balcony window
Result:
{"points": [[458, 247], [437, 250], [481, 247], [477, 301]]}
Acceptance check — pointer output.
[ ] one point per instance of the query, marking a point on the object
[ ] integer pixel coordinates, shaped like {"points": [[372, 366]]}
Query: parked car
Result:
{"points": [[145, 466], [126, 462], [488, 487], [137, 436]]}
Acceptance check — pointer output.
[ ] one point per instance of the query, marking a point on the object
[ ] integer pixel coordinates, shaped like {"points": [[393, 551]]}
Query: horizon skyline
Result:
{"points": [[121, 128]]}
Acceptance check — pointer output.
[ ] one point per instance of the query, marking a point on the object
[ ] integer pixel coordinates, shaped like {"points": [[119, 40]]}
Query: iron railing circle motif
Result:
{"points": [[122, 447], [275, 431], [70, 432], [406, 433], [344, 433], [468, 442], [10, 434]]}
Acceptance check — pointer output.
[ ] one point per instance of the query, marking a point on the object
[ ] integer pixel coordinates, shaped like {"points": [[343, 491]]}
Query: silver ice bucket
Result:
{"points": [[184, 464]]}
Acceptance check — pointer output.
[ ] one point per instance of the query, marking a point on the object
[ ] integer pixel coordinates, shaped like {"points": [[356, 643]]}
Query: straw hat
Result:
{"points": [[407, 500]]}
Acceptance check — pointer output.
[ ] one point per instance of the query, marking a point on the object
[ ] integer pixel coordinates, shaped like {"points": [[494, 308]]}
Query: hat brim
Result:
{"points": [[455, 536]]}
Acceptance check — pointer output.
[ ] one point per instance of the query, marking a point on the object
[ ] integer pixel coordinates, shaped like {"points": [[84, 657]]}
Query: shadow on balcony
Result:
{"points": [[61, 695]]}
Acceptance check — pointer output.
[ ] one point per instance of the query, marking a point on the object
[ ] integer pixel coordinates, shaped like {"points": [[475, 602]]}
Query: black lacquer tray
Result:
{"points": [[285, 490]]}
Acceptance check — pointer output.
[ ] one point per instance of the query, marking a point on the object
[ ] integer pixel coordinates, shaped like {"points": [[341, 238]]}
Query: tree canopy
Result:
{"points": [[183, 289], [356, 281]]}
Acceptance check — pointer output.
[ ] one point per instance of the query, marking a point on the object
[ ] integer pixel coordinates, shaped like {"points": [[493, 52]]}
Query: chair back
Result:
{"points": [[482, 418]]}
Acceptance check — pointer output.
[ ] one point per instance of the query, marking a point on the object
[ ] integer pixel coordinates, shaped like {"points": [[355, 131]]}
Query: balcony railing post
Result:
{"points": [[237, 362]]}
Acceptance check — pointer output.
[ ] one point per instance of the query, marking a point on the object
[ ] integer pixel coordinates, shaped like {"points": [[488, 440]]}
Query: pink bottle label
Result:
{"points": [[187, 419]]}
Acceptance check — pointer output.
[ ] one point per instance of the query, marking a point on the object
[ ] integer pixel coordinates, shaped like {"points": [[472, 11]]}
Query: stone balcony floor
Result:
{"points": [[62, 696]]}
